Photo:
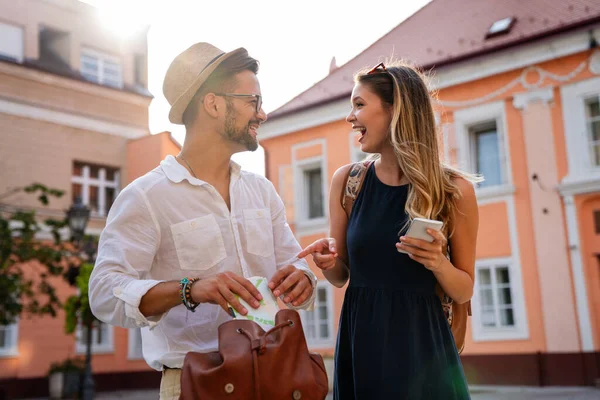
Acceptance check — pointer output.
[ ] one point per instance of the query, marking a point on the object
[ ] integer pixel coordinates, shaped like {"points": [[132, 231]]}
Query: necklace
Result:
{"points": [[188, 165]]}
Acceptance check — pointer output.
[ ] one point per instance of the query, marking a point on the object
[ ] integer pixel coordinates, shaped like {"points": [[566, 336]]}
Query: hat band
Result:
{"points": [[211, 62]]}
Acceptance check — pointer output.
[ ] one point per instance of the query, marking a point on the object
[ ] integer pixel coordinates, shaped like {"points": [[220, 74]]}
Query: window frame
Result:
{"points": [[519, 330], [104, 348], [101, 58], [356, 154], [12, 349], [474, 131], [301, 191], [307, 192], [590, 146], [20, 33], [330, 340], [580, 167], [101, 183], [465, 120], [131, 344]]}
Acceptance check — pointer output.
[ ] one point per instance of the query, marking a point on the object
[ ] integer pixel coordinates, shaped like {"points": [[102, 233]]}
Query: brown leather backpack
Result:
{"points": [[252, 364], [456, 314]]}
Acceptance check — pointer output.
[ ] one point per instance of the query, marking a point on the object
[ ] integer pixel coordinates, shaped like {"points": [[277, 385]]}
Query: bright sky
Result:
{"points": [[293, 41]]}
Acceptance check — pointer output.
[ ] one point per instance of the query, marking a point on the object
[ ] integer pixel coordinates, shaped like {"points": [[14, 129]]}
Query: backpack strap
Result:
{"points": [[354, 182]]}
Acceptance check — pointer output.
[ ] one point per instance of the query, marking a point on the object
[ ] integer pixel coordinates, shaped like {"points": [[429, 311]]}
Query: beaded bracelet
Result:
{"points": [[185, 291]]}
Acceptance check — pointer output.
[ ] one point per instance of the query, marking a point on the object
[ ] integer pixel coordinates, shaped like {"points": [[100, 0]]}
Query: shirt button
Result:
{"points": [[193, 224], [260, 214], [229, 388], [117, 291]]}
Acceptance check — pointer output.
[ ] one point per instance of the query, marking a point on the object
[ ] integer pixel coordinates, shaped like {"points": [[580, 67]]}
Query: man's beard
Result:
{"points": [[239, 135]]}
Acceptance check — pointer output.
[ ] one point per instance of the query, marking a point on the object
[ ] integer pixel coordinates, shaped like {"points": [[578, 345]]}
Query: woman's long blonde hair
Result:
{"points": [[433, 194]]}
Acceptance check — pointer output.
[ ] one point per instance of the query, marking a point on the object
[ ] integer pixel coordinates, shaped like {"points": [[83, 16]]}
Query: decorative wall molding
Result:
{"points": [[521, 100], [595, 62], [531, 78]]}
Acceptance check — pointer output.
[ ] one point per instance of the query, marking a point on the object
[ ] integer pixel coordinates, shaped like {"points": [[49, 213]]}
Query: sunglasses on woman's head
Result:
{"points": [[378, 68]]}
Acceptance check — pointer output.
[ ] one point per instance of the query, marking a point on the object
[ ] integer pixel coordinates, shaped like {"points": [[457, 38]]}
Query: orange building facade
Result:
{"points": [[526, 114]]}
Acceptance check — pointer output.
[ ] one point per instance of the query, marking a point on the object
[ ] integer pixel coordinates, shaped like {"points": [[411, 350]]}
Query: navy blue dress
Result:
{"points": [[393, 340]]}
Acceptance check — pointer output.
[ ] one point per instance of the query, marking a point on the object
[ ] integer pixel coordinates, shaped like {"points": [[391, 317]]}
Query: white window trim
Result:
{"points": [[581, 170], [283, 193], [102, 57], [299, 166], [12, 350], [464, 119], [106, 348], [330, 341], [131, 345], [579, 280], [356, 154], [520, 330], [20, 54], [101, 183], [446, 128]]}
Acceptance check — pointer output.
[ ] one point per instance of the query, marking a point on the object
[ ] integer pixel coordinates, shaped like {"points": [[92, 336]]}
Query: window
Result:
{"points": [[498, 303], [55, 47], [102, 338], [135, 344], [581, 116], [486, 154], [97, 186], [358, 155], [8, 340], [310, 190], [500, 27], [592, 116], [318, 324], [597, 222], [11, 42], [313, 183], [496, 306], [101, 68], [481, 147]]}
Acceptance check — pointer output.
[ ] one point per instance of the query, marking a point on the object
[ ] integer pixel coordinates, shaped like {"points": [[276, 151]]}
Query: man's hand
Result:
{"points": [[222, 289], [292, 282]]}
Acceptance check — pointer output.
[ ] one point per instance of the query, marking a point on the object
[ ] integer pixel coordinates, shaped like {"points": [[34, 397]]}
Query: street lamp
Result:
{"points": [[78, 216]]}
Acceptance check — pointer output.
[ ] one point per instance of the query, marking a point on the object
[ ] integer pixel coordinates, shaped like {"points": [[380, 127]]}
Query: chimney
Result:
{"points": [[333, 65]]}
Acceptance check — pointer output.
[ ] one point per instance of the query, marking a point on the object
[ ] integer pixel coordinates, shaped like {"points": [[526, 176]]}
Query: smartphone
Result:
{"points": [[418, 229]]}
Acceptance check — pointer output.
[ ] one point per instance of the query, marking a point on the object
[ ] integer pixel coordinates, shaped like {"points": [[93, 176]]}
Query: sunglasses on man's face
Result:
{"points": [[377, 69], [258, 98]]}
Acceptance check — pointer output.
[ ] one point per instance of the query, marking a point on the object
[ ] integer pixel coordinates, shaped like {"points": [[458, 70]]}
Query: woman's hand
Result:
{"points": [[431, 255], [323, 252]]}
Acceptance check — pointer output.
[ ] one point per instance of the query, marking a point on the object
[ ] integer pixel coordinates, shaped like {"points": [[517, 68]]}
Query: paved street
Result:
{"points": [[524, 393], [478, 393]]}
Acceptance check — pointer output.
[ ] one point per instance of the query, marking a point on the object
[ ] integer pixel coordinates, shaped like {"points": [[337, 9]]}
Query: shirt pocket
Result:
{"points": [[259, 231], [199, 243]]}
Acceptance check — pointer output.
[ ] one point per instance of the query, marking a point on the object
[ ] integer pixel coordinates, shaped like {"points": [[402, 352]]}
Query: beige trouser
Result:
{"points": [[170, 384]]}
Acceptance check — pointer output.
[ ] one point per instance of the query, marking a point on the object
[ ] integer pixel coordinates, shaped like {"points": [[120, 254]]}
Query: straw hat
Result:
{"points": [[188, 71]]}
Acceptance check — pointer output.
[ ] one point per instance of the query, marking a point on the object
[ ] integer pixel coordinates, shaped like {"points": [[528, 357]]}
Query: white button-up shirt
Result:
{"points": [[168, 225]]}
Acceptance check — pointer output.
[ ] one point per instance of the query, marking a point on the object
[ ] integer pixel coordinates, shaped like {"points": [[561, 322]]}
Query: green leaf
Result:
{"points": [[23, 256]]}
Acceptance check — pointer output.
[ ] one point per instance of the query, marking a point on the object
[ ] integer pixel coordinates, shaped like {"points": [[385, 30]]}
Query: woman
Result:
{"points": [[394, 341]]}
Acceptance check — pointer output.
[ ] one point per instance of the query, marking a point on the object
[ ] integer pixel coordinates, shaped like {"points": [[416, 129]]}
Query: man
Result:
{"points": [[198, 216]]}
